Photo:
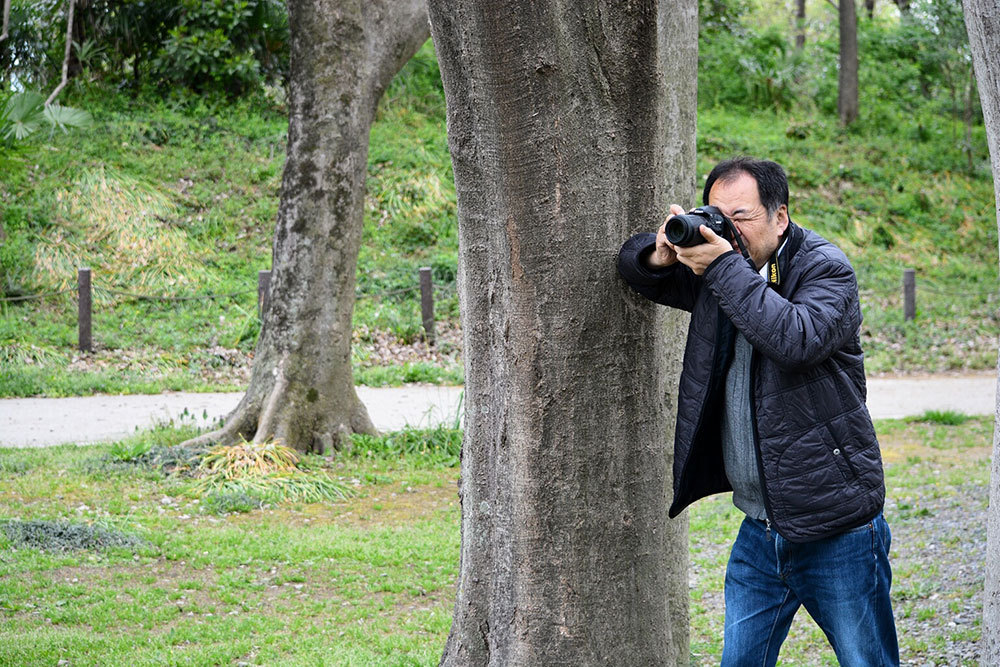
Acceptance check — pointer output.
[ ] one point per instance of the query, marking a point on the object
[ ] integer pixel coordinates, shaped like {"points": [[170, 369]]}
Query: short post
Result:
{"points": [[427, 302], [263, 292], [909, 294], [85, 309]]}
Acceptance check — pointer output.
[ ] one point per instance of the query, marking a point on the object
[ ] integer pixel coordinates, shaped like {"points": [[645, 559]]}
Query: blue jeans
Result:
{"points": [[843, 582]]}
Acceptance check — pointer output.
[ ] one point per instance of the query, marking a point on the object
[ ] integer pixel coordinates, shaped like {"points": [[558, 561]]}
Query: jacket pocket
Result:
{"points": [[841, 453]]}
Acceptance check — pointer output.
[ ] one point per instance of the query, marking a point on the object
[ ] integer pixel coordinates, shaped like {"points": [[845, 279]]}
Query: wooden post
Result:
{"points": [[263, 292], [85, 309], [909, 294], [427, 302]]}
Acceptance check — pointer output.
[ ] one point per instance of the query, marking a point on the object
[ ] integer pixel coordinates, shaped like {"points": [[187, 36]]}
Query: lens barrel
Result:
{"points": [[683, 230]]}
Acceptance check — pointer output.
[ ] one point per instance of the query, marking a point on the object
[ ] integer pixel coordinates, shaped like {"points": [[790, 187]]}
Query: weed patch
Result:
{"points": [[945, 417], [67, 536]]}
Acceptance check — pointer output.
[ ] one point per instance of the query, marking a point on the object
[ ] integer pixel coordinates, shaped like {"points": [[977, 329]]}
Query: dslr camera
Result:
{"points": [[683, 229]]}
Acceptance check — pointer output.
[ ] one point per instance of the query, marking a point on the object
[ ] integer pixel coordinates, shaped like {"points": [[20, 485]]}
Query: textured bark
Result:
{"points": [[571, 126], [982, 19], [343, 55], [847, 89]]}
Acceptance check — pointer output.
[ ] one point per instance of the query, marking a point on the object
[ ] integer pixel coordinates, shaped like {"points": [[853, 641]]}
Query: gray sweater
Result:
{"points": [[737, 435]]}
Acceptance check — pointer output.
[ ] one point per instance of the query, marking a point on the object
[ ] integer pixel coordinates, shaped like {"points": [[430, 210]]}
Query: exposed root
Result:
{"points": [[230, 432], [265, 424]]}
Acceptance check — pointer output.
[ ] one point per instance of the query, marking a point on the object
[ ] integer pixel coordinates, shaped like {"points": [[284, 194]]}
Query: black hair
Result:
{"points": [[772, 184]]}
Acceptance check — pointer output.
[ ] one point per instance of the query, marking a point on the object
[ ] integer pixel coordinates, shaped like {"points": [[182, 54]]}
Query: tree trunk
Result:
{"points": [[982, 19], [571, 126], [343, 55], [870, 8], [800, 24], [904, 6], [847, 91]]}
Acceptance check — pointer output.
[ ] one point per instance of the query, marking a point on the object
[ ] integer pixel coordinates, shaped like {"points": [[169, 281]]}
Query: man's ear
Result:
{"points": [[782, 214]]}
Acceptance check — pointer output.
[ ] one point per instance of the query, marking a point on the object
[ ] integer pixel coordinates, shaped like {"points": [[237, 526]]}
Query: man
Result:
{"points": [[771, 406]]}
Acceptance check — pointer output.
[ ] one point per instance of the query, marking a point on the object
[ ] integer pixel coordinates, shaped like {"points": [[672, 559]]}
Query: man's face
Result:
{"points": [[739, 200]]}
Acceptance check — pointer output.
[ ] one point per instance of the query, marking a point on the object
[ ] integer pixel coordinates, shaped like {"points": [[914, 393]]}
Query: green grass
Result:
{"points": [[370, 579], [197, 192]]}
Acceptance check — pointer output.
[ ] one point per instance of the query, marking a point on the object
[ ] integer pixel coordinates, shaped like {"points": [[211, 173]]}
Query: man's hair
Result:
{"points": [[772, 185]]}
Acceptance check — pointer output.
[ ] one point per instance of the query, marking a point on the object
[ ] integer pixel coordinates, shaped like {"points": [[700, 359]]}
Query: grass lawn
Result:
{"points": [[370, 580]]}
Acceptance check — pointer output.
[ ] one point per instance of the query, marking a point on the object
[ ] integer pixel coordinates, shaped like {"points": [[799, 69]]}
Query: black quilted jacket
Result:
{"points": [[818, 455]]}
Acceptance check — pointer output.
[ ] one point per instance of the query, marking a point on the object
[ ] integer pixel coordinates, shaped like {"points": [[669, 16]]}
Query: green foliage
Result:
{"points": [[439, 446], [217, 45], [223, 45], [25, 113], [128, 451], [231, 502], [945, 417], [751, 70]]}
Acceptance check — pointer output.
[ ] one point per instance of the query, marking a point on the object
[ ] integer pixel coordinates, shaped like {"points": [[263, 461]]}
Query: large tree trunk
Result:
{"points": [[982, 19], [847, 90], [343, 55], [571, 126]]}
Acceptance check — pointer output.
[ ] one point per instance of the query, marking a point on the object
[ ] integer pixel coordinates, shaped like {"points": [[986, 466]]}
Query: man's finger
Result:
{"points": [[708, 234]]}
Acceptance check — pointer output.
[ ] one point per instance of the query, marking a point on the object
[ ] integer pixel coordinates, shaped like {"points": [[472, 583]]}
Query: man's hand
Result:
{"points": [[698, 257], [665, 254]]}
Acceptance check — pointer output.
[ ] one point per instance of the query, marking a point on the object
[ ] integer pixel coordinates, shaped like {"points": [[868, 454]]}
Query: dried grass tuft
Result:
{"points": [[116, 225]]}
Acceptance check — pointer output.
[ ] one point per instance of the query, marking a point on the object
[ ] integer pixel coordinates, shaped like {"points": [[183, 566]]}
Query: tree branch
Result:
{"points": [[6, 19], [69, 46]]}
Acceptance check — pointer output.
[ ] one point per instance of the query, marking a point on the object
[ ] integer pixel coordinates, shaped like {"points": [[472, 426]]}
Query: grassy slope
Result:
{"points": [[370, 580], [203, 182]]}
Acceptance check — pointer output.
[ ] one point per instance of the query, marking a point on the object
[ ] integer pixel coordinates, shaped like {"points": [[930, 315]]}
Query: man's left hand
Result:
{"points": [[698, 257]]}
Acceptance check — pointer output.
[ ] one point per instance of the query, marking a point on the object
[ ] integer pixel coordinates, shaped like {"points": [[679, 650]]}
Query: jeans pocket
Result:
{"points": [[868, 526]]}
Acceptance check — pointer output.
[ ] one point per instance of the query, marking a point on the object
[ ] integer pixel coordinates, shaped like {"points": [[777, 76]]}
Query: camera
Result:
{"points": [[683, 229]]}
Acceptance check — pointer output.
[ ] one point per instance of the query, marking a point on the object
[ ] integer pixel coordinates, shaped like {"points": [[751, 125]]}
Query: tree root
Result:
{"points": [[266, 415]]}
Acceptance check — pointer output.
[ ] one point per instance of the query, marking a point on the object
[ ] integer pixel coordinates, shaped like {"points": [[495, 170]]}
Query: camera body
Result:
{"points": [[683, 230]]}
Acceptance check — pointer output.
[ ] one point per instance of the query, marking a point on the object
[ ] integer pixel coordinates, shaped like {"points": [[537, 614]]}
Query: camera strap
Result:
{"points": [[731, 228], [773, 275]]}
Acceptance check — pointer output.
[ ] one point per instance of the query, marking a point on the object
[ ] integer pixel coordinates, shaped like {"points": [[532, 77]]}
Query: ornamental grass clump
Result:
{"points": [[265, 471]]}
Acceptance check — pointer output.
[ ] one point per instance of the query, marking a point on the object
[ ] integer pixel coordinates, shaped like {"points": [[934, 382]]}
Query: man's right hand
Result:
{"points": [[664, 255]]}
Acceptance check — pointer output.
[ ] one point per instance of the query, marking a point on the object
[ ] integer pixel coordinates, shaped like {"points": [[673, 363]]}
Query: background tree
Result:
{"points": [[343, 55], [800, 24], [571, 126], [982, 18], [847, 88]]}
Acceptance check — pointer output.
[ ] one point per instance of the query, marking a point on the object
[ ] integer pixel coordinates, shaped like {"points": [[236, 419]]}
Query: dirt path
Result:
{"points": [[40, 422]]}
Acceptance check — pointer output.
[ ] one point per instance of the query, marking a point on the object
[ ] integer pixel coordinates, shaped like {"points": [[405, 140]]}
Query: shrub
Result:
{"points": [[225, 46]]}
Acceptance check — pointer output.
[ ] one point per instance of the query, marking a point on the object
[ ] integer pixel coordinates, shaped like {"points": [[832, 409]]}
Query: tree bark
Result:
{"points": [[847, 91], [343, 55], [982, 20], [571, 126]]}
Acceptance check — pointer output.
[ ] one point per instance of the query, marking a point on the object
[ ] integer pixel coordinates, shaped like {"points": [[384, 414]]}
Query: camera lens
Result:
{"points": [[682, 230]]}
